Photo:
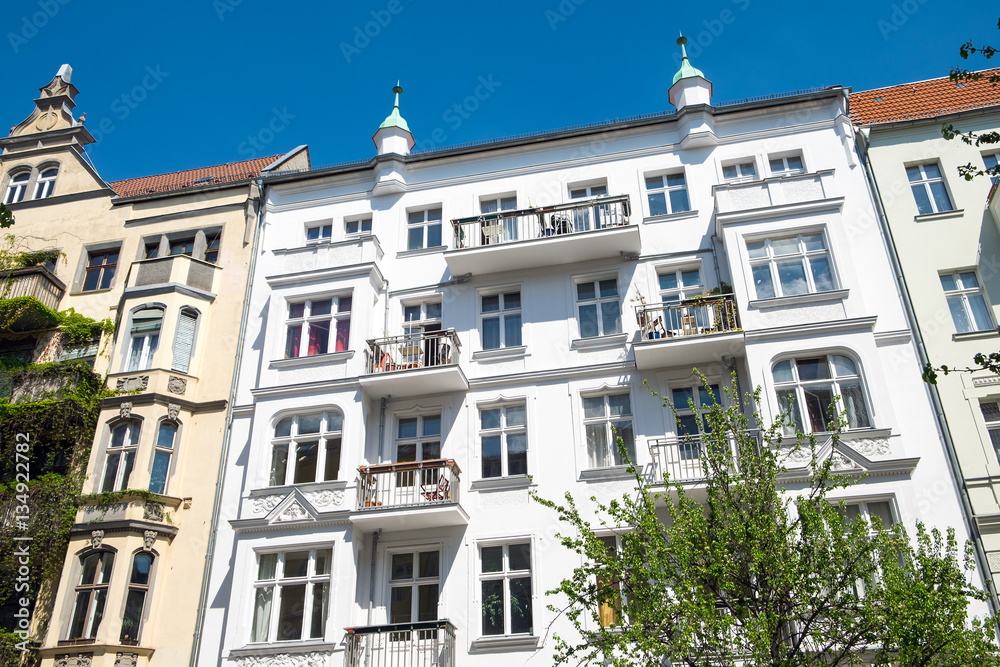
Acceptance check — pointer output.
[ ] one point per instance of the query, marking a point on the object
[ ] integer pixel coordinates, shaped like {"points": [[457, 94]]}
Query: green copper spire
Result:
{"points": [[394, 119], [687, 70]]}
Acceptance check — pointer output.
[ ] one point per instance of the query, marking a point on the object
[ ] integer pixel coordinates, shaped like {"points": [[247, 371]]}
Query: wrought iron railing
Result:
{"points": [[426, 644], [579, 216], [691, 317], [683, 458], [420, 349], [36, 281], [388, 485]]}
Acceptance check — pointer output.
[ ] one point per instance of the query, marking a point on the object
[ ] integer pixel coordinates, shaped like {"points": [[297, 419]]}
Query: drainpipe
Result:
{"points": [[383, 404], [244, 318], [940, 419], [371, 577], [715, 261]]}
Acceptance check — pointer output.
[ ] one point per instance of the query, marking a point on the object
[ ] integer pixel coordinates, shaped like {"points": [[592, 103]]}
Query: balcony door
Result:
{"points": [[592, 217], [417, 439], [421, 347], [414, 589]]}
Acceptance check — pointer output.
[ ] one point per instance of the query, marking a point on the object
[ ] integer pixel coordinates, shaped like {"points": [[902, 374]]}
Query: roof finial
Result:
{"points": [[397, 89], [681, 41], [687, 69]]}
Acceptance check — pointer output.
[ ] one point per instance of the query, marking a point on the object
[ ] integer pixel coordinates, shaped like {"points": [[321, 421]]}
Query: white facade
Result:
{"points": [[767, 183]]}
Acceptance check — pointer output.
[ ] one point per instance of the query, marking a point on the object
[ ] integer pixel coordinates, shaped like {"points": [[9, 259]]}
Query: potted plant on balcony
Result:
{"points": [[650, 328]]}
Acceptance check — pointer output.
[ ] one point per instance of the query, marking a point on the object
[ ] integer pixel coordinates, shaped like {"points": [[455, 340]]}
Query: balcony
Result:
{"points": [[784, 195], [152, 276], [34, 281], [582, 231], [694, 331], [424, 362], [683, 458], [426, 644], [409, 496]]}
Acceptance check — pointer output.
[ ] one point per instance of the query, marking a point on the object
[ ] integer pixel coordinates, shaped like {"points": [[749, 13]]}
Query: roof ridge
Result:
{"points": [[913, 83], [182, 171]]}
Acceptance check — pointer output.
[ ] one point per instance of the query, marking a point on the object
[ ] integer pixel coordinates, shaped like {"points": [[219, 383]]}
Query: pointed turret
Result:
{"points": [[53, 108], [690, 86], [393, 135]]}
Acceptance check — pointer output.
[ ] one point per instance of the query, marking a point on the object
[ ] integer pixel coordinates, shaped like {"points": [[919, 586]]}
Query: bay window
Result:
{"points": [[306, 448], [813, 391], [790, 265], [312, 323], [91, 594], [120, 456], [291, 595]]}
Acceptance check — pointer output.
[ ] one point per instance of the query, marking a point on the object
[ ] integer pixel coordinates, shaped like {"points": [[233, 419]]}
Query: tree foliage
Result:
{"points": [[748, 573]]}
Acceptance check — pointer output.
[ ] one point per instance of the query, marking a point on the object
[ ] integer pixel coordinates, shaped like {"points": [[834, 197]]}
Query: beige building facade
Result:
{"points": [[166, 258]]}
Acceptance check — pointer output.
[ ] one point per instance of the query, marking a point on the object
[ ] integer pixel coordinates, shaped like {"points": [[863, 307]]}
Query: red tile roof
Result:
{"points": [[923, 99], [178, 180]]}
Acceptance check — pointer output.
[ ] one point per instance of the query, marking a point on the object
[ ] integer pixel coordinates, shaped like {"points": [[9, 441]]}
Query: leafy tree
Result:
{"points": [[753, 574], [6, 216]]}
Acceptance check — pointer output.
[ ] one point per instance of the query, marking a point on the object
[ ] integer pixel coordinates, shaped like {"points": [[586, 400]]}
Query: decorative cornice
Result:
{"points": [[812, 328], [326, 274], [779, 211], [123, 526], [164, 399]]}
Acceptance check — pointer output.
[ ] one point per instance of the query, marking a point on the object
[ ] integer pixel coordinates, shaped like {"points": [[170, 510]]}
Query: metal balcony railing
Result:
{"points": [[683, 457], [691, 317], [36, 281], [416, 483], [414, 350], [426, 644], [583, 215]]}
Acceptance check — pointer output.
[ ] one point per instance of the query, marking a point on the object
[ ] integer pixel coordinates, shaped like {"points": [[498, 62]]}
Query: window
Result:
{"points": [[91, 594], [313, 322], [807, 390], [17, 187], [871, 510], [212, 249], [145, 337], [504, 437], [505, 578], [423, 229], [135, 603], [599, 310], [928, 188], [100, 270], [151, 249], [414, 585], [163, 450], [991, 160], [786, 166], [609, 612], [965, 298], [667, 193], [183, 246], [297, 585], [420, 319], [46, 183], [306, 448], [591, 217], [500, 320], [362, 226], [790, 265], [739, 171], [676, 286], [187, 324], [319, 233], [687, 420], [418, 438], [120, 457], [991, 414], [605, 419], [502, 230]]}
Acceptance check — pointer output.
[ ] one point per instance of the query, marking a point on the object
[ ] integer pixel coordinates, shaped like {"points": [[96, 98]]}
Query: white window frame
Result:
{"points": [[503, 431], [991, 160], [17, 187], [319, 232], [501, 315], [864, 511], [501, 230], [46, 183], [506, 574], [125, 453], [992, 422], [610, 457], [148, 341], [702, 403], [421, 219], [926, 184], [962, 295], [278, 583], [665, 189], [598, 301], [414, 582], [803, 255], [741, 173], [162, 450], [331, 429], [785, 168], [798, 386], [307, 320], [362, 223], [421, 439]]}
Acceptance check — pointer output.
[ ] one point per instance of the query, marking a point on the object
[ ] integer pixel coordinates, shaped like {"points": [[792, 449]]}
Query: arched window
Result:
{"points": [[164, 449], [46, 183], [306, 448], [187, 324], [91, 594], [145, 336], [17, 187], [807, 388], [135, 603], [120, 457]]}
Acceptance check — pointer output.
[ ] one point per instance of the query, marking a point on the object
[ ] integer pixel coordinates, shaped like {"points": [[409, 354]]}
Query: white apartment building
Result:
{"points": [[431, 335], [947, 246]]}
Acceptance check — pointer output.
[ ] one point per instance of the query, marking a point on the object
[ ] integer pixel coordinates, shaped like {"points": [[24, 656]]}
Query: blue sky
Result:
{"points": [[170, 86]]}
